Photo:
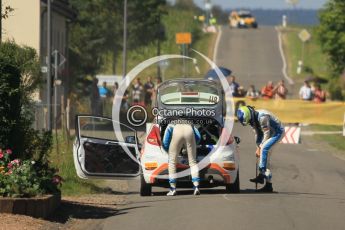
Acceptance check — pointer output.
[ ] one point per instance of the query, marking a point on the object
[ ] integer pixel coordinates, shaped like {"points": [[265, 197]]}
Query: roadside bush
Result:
{"points": [[20, 77], [25, 178], [335, 90]]}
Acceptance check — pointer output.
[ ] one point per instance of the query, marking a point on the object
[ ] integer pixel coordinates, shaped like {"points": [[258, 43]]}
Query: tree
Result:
{"points": [[331, 33], [220, 14], [98, 30]]}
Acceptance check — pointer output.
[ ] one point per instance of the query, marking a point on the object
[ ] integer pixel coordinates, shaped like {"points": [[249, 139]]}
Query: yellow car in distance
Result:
{"points": [[242, 19]]}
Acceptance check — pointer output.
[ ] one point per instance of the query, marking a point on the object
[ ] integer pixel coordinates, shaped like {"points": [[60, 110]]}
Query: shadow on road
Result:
{"points": [[81, 211]]}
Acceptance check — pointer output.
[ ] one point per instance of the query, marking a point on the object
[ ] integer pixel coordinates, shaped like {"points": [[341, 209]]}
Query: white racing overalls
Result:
{"points": [[176, 136]]}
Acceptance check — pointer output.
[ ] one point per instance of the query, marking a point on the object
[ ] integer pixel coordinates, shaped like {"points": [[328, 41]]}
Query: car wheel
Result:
{"points": [[145, 188], [234, 187]]}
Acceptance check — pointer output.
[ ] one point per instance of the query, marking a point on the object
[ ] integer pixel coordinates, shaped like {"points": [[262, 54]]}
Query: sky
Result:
{"points": [[265, 4]]}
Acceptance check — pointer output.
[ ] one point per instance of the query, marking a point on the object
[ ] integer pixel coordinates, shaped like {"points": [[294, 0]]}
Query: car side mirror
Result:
{"points": [[237, 140], [130, 140]]}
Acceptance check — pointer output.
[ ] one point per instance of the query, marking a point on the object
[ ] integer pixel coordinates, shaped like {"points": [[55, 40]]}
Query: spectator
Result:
{"points": [[149, 88], [95, 99], [305, 93], [267, 91], [124, 102], [233, 86], [280, 90], [103, 91], [319, 94], [252, 93], [154, 94], [158, 81], [241, 92], [116, 87], [137, 91]]}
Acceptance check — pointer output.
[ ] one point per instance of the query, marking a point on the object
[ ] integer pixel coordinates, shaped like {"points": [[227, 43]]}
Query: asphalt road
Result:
{"points": [[253, 56], [308, 179]]}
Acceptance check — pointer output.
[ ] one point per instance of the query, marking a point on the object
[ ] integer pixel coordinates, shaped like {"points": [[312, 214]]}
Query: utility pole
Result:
{"points": [[49, 65], [56, 72], [124, 62], [0, 21], [159, 32]]}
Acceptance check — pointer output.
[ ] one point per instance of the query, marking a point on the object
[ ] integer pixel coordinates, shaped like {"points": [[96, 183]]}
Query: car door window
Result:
{"points": [[101, 152]]}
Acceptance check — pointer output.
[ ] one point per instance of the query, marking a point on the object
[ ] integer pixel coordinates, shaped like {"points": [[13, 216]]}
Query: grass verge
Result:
{"points": [[61, 157], [315, 62], [335, 140]]}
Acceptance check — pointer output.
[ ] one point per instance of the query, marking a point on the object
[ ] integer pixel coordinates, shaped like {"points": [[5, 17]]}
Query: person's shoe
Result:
{"points": [[266, 189], [172, 192], [196, 191], [260, 179]]}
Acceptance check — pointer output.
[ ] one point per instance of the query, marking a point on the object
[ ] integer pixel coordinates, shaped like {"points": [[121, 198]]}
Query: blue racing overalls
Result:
{"points": [[269, 131]]}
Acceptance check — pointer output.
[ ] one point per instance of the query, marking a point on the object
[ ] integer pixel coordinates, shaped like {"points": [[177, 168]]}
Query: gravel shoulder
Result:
{"points": [[74, 213]]}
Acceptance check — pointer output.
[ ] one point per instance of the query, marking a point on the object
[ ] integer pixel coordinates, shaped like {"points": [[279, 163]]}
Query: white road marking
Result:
{"points": [[311, 133], [291, 82], [225, 197], [215, 51], [312, 150]]}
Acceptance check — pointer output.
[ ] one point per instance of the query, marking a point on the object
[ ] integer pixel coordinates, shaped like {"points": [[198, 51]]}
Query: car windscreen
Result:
{"points": [[196, 93], [245, 16]]}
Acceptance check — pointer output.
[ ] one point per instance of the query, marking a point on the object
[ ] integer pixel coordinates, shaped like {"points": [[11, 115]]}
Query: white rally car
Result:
{"points": [[98, 153]]}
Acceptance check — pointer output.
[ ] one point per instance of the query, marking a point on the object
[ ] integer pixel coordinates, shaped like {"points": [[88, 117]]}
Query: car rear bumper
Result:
{"points": [[212, 175]]}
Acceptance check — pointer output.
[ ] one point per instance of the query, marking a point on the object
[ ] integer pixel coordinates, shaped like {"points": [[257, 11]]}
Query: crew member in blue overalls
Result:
{"points": [[176, 136], [268, 131]]}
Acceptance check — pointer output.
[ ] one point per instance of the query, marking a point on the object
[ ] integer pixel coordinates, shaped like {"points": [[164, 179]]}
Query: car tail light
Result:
{"points": [[154, 136], [229, 166], [151, 165]]}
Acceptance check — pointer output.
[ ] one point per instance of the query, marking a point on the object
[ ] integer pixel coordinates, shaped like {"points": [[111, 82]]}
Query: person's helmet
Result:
{"points": [[244, 115]]}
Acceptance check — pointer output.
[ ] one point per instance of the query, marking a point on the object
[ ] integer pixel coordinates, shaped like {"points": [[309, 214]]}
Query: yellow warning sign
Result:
{"points": [[183, 38], [297, 111]]}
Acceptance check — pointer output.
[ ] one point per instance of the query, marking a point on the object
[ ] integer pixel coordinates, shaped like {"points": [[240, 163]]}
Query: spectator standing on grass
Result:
{"points": [[95, 98], [154, 93], [267, 92], [319, 94], [116, 87], [305, 93], [252, 93], [104, 94], [233, 86], [149, 88], [280, 90], [103, 90], [137, 91], [124, 101]]}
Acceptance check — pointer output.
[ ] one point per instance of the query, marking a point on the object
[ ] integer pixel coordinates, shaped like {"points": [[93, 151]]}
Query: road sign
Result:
{"points": [[304, 35], [208, 6], [201, 18], [44, 69], [60, 59], [292, 135], [183, 38], [163, 64]]}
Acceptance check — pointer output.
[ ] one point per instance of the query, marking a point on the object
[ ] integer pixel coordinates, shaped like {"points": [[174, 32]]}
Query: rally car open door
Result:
{"points": [[99, 153]]}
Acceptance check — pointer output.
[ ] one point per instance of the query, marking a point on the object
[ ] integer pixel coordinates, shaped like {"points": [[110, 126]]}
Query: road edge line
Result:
{"points": [[286, 76], [215, 49]]}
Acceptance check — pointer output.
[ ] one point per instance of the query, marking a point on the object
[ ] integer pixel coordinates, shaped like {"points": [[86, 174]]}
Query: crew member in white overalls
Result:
{"points": [[177, 136]]}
